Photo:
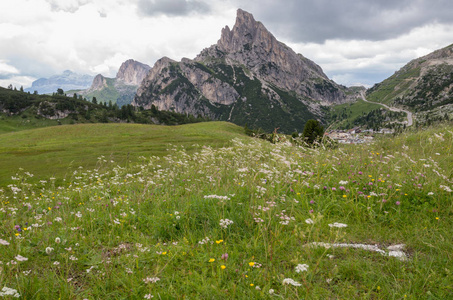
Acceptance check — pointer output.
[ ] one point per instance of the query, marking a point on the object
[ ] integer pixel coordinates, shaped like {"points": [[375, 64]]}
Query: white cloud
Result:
{"points": [[17, 81], [352, 61], [41, 38], [5, 68], [66, 5]]}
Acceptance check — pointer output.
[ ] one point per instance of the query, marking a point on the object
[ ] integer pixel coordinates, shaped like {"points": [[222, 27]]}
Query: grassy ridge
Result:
{"points": [[238, 222], [395, 86], [60, 147], [344, 114]]}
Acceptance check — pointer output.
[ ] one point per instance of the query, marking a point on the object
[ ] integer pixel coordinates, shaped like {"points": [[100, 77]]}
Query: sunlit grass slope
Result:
{"points": [[56, 151]]}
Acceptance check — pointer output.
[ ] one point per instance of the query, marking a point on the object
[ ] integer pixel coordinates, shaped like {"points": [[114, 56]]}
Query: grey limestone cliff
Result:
{"points": [[248, 76]]}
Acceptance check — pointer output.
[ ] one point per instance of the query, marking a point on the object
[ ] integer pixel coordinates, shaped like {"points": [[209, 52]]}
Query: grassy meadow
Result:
{"points": [[202, 211], [56, 151]]}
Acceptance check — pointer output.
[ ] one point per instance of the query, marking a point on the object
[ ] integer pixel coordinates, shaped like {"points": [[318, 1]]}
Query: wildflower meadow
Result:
{"points": [[246, 220]]}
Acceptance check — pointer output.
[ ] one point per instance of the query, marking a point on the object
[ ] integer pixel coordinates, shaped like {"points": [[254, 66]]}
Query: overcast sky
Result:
{"points": [[355, 42]]}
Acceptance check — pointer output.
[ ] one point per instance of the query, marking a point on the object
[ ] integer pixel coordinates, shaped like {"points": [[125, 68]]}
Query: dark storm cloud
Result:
{"points": [[172, 7], [320, 20]]}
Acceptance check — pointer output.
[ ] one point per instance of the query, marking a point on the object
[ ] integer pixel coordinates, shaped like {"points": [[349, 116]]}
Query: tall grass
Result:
{"points": [[239, 222]]}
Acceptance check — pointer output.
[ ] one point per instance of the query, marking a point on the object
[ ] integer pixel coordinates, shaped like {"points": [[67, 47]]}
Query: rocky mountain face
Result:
{"points": [[132, 72], [424, 86], [121, 89], [248, 77], [99, 83], [66, 81]]}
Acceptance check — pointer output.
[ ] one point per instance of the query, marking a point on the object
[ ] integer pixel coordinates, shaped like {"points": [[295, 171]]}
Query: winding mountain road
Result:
{"points": [[408, 113]]}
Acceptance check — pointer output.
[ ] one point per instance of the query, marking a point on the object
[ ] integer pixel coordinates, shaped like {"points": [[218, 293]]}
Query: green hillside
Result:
{"points": [[395, 86], [423, 86], [57, 151], [344, 115]]}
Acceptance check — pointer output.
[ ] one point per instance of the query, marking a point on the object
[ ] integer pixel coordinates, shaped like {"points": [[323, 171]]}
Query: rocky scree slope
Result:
{"points": [[248, 77]]}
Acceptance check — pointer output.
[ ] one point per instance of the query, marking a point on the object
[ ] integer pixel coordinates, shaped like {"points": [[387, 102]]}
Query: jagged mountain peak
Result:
{"points": [[248, 76], [246, 31], [251, 44], [132, 72]]}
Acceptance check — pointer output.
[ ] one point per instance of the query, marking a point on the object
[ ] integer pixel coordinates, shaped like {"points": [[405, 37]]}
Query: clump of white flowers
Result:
{"points": [[6, 291], [301, 268], [338, 225], [291, 281], [224, 223]]}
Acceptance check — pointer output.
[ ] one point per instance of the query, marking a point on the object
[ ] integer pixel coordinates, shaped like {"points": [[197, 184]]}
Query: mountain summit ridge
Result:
{"points": [[247, 77]]}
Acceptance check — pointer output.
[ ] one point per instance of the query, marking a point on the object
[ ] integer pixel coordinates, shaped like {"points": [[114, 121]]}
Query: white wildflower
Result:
{"points": [[309, 221], [204, 241], [3, 242], [6, 291], [224, 223], [343, 182], [57, 240], [271, 291], [151, 279], [49, 250], [446, 188], [21, 258], [148, 296], [301, 268], [217, 197], [291, 281]]}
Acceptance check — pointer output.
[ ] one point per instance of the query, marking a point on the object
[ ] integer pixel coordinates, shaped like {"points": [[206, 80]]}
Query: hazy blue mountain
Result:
{"points": [[66, 81]]}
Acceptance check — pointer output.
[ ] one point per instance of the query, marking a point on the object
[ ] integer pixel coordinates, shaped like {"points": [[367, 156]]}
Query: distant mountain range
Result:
{"points": [[120, 90], [248, 77], [66, 81]]}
